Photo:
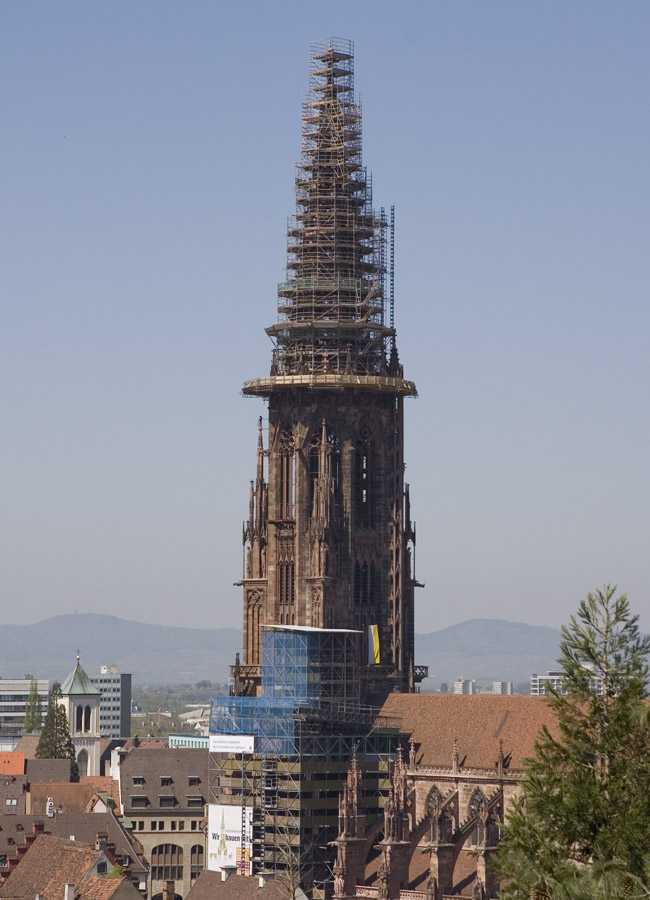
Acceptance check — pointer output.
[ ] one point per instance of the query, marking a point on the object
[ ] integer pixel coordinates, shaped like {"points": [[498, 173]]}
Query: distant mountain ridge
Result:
{"points": [[484, 649], [487, 650]]}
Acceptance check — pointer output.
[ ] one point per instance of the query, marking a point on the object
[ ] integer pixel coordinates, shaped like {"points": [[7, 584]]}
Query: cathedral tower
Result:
{"points": [[328, 540]]}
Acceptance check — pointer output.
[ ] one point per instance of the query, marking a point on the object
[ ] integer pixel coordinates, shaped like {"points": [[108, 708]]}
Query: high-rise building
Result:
{"points": [[115, 702], [14, 693], [329, 537]]}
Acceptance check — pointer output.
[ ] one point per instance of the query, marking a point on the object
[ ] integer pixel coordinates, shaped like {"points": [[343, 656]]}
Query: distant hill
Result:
{"points": [[487, 650], [484, 649], [154, 654]]}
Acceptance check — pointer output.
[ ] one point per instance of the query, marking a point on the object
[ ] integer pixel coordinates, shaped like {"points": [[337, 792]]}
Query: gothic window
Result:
{"points": [[82, 763], [476, 806], [332, 462], [287, 474], [434, 800], [79, 719], [362, 481], [286, 582], [87, 718]]}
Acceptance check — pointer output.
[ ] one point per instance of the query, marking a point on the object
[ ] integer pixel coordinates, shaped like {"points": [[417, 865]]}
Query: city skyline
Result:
{"points": [[151, 154]]}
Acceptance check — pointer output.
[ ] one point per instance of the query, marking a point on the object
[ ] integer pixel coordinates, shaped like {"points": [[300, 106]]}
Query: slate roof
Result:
{"points": [[477, 722], [153, 770], [209, 886], [79, 683], [47, 770]]}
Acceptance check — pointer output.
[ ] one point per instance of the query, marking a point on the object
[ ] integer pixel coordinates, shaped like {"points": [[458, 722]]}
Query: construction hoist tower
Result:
{"points": [[329, 540]]}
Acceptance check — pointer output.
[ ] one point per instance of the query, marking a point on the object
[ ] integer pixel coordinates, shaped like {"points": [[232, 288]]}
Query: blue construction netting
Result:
{"points": [[301, 669], [291, 665]]}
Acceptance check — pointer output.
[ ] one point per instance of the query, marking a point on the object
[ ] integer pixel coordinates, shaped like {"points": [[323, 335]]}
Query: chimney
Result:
{"points": [[168, 891], [29, 839], [12, 862], [101, 841], [38, 827], [69, 892], [20, 852]]}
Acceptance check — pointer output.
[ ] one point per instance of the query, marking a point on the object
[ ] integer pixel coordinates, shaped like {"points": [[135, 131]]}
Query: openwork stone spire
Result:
{"points": [[331, 308]]}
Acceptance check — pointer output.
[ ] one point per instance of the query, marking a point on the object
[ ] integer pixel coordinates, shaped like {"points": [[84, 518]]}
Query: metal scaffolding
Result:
{"points": [[331, 307]]}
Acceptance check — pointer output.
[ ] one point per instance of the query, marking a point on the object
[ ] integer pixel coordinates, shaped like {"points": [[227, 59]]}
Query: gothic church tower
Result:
{"points": [[328, 538]]}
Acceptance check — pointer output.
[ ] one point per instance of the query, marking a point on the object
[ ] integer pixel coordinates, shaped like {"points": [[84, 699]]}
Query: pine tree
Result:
{"points": [[583, 822], [33, 710], [55, 742]]}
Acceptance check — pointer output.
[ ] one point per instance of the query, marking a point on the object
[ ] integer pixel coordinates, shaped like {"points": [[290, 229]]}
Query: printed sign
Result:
{"points": [[228, 848], [232, 743]]}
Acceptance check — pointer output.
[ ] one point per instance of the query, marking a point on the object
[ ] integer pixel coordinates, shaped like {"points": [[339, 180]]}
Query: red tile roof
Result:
{"points": [[12, 763], [478, 723]]}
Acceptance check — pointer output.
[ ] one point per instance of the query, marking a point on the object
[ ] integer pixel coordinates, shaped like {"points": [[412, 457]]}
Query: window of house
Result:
{"points": [[166, 780], [10, 801], [195, 802], [138, 802], [173, 825], [138, 779], [193, 825], [193, 780], [166, 801], [154, 823], [166, 862], [181, 825], [140, 825], [102, 868]]}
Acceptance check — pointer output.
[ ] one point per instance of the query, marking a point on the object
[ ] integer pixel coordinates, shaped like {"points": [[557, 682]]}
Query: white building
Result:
{"points": [[502, 687], [115, 703], [464, 686], [13, 700], [539, 684]]}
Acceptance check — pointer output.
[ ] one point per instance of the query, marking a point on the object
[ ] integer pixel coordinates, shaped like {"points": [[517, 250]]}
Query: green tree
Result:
{"points": [[33, 710], [55, 742], [582, 825]]}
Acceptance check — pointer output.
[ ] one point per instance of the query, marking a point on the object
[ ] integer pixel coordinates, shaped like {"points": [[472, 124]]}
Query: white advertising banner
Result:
{"points": [[232, 743], [227, 847]]}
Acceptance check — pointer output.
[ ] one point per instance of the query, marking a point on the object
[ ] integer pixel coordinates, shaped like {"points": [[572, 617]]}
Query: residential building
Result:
{"points": [[502, 687], [115, 702], [163, 793], [55, 868], [464, 686]]}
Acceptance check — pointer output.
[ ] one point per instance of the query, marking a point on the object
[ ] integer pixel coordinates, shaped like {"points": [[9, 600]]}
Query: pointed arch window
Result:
{"points": [[87, 718], [363, 481], [79, 718], [287, 474]]}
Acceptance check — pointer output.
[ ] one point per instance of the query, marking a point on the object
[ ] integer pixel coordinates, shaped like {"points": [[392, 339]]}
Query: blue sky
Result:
{"points": [[148, 157]]}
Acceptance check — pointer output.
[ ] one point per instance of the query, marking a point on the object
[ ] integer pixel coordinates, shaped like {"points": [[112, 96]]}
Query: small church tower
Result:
{"points": [[80, 699]]}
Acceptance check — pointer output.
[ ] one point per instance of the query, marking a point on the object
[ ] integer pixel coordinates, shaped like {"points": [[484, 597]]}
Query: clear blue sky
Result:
{"points": [[148, 157]]}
